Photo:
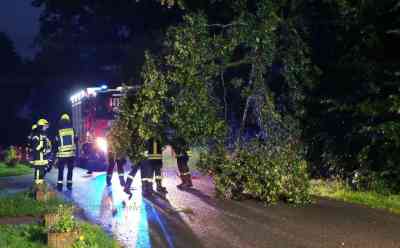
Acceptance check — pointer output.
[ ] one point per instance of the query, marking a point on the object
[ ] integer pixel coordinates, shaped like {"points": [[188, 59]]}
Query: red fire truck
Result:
{"points": [[93, 110]]}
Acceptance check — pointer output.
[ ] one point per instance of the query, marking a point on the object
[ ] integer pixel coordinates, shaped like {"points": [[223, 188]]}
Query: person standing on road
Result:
{"points": [[115, 157], [41, 146], [152, 167], [183, 154], [30, 144], [131, 177], [66, 151]]}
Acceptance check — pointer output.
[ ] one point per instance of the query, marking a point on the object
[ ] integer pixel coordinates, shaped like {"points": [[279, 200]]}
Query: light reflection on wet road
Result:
{"points": [[109, 207], [194, 218]]}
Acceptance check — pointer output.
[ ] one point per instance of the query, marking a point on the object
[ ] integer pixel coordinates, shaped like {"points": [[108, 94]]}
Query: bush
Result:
{"points": [[66, 221], [10, 157], [259, 172]]}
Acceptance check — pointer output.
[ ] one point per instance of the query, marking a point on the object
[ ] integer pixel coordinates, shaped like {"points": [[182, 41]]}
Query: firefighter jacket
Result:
{"points": [[65, 141], [41, 146], [30, 143], [154, 150], [181, 148]]}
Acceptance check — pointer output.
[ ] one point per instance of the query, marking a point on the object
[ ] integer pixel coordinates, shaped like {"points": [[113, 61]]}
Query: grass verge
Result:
{"points": [[94, 236], [34, 236], [22, 236], [17, 170], [22, 204], [339, 191]]}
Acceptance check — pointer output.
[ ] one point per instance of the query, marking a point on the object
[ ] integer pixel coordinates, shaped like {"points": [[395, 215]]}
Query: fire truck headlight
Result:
{"points": [[102, 144]]}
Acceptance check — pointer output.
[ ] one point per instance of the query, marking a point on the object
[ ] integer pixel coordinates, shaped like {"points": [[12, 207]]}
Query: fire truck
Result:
{"points": [[93, 111]]}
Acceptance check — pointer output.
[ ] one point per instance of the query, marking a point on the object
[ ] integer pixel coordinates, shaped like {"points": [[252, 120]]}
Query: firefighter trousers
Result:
{"points": [[40, 172], [69, 164], [183, 167], [131, 175], [120, 167], [151, 168]]}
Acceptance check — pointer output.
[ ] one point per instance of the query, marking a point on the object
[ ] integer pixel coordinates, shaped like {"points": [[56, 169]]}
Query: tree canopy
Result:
{"points": [[10, 60]]}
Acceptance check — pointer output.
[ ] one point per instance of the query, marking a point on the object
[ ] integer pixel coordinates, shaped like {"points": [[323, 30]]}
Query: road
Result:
{"points": [[196, 218]]}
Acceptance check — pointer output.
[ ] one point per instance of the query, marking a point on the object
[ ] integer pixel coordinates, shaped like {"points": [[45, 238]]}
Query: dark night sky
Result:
{"points": [[44, 87], [21, 22]]}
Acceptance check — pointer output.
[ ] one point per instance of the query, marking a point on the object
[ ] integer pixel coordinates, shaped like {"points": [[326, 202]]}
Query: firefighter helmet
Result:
{"points": [[65, 117], [34, 126], [42, 122]]}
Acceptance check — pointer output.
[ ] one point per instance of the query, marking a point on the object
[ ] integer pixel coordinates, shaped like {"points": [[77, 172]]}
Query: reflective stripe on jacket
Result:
{"points": [[154, 150], [39, 148], [66, 143]]}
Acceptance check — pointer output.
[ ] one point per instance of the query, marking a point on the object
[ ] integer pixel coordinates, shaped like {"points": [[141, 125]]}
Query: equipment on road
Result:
{"points": [[93, 110]]}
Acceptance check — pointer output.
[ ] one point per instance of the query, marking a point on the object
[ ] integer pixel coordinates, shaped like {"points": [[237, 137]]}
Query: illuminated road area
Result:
{"points": [[135, 223], [195, 218]]}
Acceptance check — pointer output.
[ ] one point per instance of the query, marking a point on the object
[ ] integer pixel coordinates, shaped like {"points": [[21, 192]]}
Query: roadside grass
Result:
{"points": [[22, 236], [94, 236], [22, 204], [17, 170], [34, 236], [339, 191]]}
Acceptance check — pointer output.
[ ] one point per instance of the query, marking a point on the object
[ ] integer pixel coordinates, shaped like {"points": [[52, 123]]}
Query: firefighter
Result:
{"points": [[130, 177], [40, 146], [152, 167], [29, 143], [115, 158], [66, 151], [183, 154]]}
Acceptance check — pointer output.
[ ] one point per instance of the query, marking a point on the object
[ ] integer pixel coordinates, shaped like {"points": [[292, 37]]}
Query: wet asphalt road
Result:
{"points": [[196, 219]]}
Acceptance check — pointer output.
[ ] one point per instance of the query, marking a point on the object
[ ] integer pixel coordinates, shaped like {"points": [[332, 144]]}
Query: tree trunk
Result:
{"points": [[246, 108]]}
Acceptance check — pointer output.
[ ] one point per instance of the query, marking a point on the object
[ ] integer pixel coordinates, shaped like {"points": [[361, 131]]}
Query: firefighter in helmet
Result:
{"points": [[152, 167], [66, 151], [41, 146], [183, 154]]}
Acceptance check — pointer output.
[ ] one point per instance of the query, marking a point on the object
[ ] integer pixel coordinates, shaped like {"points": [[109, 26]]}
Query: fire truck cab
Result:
{"points": [[93, 110]]}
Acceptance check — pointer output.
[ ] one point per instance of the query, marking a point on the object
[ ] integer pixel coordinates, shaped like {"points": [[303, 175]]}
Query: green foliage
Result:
{"points": [[22, 236], [65, 221], [10, 157], [16, 170], [260, 172], [353, 116], [23, 204], [339, 190], [93, 236], [210, 75], [35, 236]]}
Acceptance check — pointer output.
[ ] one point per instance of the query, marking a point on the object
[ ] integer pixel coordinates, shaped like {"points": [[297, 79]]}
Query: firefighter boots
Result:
{"points": [[186, 182], [122, 180], [108, 180], [127, 187], [147, 189], [59, 186], [69, 185], [160, 188]]}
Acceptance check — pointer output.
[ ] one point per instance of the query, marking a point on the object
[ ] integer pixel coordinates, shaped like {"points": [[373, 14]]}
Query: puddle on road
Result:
{"points": [[105, 206]]}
